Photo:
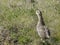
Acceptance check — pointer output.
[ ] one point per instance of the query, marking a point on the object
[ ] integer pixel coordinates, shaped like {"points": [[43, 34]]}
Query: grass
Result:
{"points": [[18, 16]]}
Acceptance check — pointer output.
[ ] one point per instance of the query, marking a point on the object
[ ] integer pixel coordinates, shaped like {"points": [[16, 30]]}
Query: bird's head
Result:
{"points": [[38, 12]]}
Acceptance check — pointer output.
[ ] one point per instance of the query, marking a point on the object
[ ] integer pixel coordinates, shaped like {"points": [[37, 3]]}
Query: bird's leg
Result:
{"points": [[42, 40]]}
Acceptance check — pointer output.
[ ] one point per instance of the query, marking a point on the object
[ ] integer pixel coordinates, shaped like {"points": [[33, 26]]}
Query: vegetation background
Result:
{"points": [[18, 21]]}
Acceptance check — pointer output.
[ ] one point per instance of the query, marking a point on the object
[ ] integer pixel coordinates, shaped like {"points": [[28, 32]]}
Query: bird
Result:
{"points": [[42, 29]]}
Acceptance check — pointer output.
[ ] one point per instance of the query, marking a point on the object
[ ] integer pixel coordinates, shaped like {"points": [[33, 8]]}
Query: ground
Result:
{"points": [[18, 21]]}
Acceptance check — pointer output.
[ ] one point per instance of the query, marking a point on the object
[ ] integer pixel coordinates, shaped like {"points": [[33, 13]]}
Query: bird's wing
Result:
{"points": [[47, 31]]}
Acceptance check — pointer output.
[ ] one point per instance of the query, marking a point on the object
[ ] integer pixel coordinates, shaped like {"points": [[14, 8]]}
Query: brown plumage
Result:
{"points": [[42, 30]]}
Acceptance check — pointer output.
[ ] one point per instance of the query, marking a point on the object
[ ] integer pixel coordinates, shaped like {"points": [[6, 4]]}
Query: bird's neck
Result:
{"points": [[40, 20]]}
